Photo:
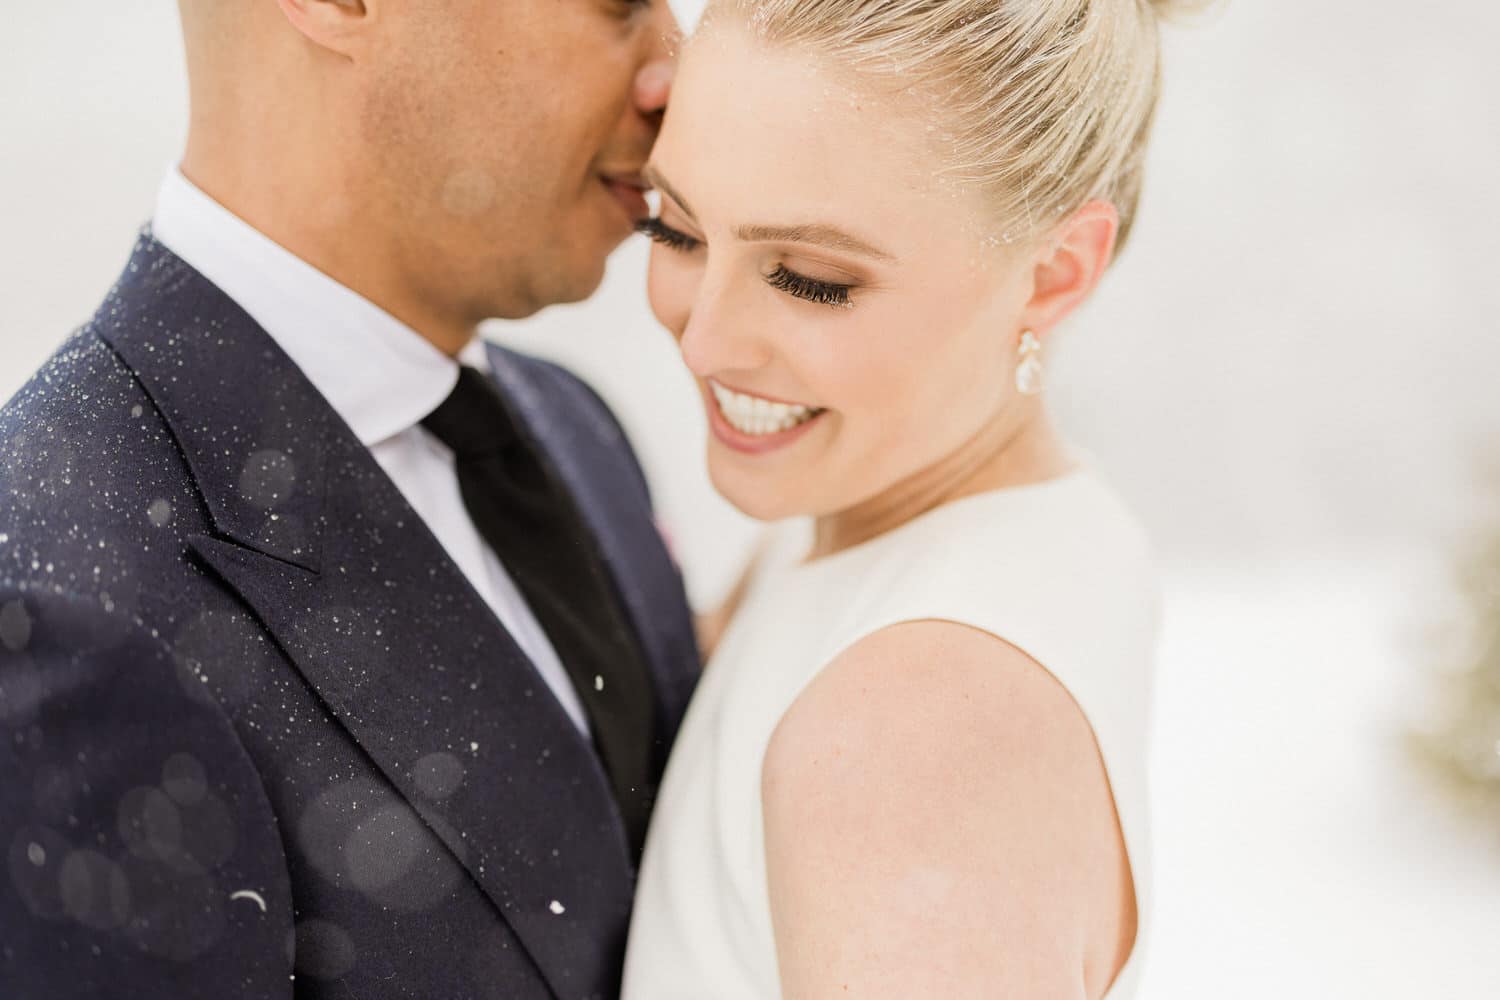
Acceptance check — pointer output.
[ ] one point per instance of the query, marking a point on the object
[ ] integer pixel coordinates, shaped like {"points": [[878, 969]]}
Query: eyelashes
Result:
{"points": [[664, 234], [824, 292], [799, 286]]}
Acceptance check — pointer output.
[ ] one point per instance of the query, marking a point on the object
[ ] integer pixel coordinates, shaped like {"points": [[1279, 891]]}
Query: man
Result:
{"points": [[338, 653]]}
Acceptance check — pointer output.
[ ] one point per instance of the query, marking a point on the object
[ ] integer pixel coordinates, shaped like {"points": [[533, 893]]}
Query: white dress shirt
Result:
{"points": [[378, 374]]}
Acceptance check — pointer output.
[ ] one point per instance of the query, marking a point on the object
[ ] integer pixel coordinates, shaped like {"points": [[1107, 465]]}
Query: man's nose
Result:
{"points": [[653, 86], [653, 81]]}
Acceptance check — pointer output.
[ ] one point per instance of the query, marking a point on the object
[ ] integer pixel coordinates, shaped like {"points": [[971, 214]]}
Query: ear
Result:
{"points": [[1070, 264], [335, 25]]}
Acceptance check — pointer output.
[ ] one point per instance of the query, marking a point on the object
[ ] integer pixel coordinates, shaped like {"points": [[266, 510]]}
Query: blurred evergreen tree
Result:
{"points": [[1464, 744]]}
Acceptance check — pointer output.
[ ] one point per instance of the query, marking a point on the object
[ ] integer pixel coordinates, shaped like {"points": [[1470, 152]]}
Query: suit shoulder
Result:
{"points": [[82, 390], [85, 458]]}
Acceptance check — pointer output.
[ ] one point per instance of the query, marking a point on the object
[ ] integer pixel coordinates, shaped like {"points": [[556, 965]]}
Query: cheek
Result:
{"points": [[883, 365], [956, 387], [923, 368], [563, 107], [670, 288]]}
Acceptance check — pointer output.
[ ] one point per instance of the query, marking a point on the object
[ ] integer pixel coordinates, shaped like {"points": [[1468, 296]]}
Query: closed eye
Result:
{"points": [[781, 278], [823, 292], [660, 232]]}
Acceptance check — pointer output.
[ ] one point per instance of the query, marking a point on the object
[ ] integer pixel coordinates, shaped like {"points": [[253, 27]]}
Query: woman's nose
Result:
{"points": [[717, 348]]}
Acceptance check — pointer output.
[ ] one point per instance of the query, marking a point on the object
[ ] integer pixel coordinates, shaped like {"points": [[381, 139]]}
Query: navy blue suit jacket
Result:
{"points": [[259, 737]]}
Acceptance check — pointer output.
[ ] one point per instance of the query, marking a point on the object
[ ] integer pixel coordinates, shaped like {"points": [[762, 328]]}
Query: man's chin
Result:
{"points": [[559, 287]]}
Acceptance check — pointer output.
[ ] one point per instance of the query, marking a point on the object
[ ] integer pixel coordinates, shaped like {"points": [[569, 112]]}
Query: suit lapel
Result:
{"points": [[579, 438], [365, 603]]}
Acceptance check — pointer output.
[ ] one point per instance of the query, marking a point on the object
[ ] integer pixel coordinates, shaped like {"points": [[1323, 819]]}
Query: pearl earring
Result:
{"points": [[1029, 366]]}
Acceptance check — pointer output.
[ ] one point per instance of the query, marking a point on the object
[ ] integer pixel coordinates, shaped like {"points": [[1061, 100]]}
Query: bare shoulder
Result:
{"points": [[938, 821]]}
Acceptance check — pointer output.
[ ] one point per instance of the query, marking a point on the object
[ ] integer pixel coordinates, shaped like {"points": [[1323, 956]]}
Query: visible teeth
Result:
{"points": [[754, 415]]}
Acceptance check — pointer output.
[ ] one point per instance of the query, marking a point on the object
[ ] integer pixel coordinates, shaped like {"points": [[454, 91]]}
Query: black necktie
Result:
{"points": [[529, 520]]}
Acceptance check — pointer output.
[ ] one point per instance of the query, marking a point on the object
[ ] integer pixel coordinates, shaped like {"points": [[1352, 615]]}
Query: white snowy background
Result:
{"points": [[1291, 375]]}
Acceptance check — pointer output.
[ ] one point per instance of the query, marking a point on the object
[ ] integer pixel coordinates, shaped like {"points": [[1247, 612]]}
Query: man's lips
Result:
{"points": [[630, 192]]}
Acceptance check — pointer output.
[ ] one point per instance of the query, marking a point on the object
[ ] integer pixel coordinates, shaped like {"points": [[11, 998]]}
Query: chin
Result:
{"points": [[757, 497], [584, 287], [579, 278], [555, 288]]}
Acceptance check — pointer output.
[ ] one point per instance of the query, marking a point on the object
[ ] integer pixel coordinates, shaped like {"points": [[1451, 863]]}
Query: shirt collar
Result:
{"points": [[377, 373]]}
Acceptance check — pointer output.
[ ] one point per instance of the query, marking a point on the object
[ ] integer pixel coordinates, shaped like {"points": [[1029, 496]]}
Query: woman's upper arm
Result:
{"points": [[938, 823]]}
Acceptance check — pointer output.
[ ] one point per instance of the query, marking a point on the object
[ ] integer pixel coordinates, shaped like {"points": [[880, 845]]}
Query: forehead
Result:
{"points": [[755, 127]]}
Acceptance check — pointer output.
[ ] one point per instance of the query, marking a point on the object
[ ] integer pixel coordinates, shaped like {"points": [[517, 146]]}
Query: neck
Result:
{"points": [[1023, 449], [311, 208]]}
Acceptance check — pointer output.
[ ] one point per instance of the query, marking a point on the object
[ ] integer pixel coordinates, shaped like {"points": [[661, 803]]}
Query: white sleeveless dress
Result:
{"points": [[1059, 569]]}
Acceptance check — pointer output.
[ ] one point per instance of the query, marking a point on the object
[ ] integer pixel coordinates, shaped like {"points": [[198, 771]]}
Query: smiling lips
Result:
{"points": [[753, 423]]}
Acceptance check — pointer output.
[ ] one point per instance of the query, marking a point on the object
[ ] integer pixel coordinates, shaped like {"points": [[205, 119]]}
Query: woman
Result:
{"points": [[915, 763]]}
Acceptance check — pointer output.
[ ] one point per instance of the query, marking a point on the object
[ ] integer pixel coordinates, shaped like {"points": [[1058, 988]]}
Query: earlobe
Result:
{"points": [[1071, 264], [331, 24]]}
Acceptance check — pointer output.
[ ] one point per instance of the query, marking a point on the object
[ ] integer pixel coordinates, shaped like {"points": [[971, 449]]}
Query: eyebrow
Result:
{"points": [[812, 233]]}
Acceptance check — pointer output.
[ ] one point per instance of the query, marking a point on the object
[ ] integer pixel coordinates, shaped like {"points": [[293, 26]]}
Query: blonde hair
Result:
{"points": [[1045, 104]]}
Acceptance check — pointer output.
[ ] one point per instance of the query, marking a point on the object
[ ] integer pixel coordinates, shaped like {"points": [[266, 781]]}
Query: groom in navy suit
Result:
{"points": [[339, 654]]}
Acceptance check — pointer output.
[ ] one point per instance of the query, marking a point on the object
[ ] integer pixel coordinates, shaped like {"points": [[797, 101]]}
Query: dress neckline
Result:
{"points": [[1081, 469]]}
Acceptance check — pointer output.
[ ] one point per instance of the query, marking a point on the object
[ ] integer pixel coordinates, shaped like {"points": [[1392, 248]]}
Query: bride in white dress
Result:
{"points": [[915, 765]]}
